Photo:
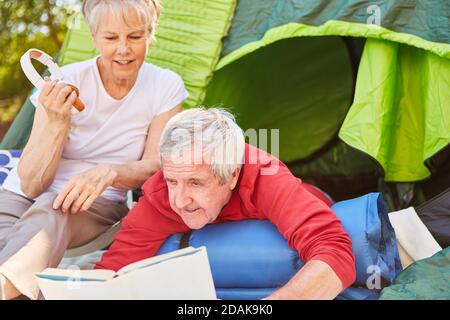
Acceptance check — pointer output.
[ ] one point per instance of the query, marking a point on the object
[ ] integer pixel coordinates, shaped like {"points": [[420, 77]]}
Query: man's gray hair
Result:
{"points": [[212, 134], [148, 11]]}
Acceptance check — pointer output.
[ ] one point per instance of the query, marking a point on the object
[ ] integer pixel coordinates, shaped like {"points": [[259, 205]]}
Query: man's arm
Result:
{"points": [[314, 281], [143, 232], [310, 227]]}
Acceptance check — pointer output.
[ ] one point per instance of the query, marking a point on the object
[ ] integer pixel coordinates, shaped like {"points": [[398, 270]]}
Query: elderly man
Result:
{"points": [[209, 175]]}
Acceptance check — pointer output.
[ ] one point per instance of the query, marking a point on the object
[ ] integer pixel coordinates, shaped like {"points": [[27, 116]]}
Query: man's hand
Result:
{"points": [[315, 281], [82, 190]]}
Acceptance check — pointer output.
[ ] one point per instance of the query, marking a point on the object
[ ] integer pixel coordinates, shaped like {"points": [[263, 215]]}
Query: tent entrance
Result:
{"points": [[302, 86]]}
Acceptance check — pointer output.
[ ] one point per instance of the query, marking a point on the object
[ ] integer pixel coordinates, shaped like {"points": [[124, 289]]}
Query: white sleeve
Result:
{"points": [[173, 92]]}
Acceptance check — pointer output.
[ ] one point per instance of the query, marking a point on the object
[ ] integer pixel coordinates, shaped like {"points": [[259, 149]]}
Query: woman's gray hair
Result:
{"points": [[212, 134], [148, 11]]}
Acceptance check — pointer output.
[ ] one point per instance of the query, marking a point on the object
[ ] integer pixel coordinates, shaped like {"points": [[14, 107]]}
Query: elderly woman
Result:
{"points": [[71, 181]]}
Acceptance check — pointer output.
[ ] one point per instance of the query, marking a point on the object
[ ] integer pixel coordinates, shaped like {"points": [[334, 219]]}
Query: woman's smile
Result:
{"points": [[123, 62]]}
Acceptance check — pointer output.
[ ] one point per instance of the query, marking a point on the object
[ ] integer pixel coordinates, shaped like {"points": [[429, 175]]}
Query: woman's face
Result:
{"points": [[123, 45]]}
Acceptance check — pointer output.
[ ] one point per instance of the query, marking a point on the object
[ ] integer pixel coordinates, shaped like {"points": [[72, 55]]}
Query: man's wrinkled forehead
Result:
{"points": [[187, 156], [185, 171]]}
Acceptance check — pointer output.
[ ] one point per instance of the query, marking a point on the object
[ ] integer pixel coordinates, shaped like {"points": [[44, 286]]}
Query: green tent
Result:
{"points": [[373, 73]]}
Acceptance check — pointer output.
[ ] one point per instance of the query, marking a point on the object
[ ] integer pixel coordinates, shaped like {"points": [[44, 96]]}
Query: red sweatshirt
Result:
{"points": [[308, 224]]}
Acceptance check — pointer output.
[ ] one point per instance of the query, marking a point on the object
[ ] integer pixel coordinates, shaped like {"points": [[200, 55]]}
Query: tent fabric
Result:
{"points": [[385, 86], [426, 20], [297, 94], [333, 28], [400, 114], [435, 214], [259, 25], [427, 279], [338, 165]]}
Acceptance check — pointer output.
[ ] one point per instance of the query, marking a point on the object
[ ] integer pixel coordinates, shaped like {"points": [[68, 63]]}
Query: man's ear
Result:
{"points": [[235, 177]]}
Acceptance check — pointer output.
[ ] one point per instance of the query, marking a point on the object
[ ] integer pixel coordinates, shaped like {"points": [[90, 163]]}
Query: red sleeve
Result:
{"points": [[308, 224], [143, 232]]}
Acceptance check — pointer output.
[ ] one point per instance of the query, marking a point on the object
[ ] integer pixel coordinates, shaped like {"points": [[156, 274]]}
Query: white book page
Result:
{"points": [[183, 277], [73, 274], [154, 260], [185, 274]]}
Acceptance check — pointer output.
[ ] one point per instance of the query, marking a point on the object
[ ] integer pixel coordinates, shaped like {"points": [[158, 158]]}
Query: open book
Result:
{"points": [[181, 274]]}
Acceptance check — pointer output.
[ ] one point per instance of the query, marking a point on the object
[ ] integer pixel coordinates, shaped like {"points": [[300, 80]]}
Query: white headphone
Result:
{"points": [[55, 72]]}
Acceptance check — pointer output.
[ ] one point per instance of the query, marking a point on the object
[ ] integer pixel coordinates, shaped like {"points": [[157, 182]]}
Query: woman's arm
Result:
{"points": [[83, 189], [51, 126], [133, 175]]}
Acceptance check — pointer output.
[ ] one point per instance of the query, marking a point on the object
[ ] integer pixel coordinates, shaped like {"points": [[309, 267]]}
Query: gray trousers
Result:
{"points": [[34, 236]]}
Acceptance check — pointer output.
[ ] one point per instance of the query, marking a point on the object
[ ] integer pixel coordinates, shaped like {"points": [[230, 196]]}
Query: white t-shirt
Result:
{"points": [[109, 130]]}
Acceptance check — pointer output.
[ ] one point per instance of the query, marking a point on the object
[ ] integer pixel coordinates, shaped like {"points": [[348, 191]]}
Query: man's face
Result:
{"points": [[195, 194]]}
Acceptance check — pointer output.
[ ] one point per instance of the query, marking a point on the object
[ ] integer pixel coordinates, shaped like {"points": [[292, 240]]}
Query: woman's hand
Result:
{"points": [[82, 190], [57, 100]]}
